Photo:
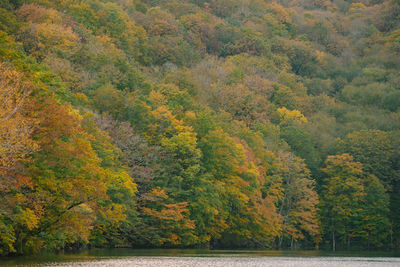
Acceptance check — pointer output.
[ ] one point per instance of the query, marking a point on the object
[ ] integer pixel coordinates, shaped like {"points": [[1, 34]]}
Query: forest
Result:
{"points": [[271, 124]]}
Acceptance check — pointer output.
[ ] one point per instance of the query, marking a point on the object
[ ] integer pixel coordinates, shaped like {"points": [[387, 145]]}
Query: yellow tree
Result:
{"points": [[15, 124], [15, 140], [298, 206]]}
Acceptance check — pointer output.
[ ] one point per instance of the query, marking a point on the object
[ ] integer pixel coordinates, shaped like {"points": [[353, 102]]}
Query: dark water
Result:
{"points": [[200, 258]]}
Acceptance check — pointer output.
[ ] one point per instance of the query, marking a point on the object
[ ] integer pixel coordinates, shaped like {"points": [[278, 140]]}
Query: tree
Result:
{"points": [[16, 125], [298, 206], [68, 192], [294, 132], [377, 151], [348, 208], [118, 214], [16, 145], [250, 215], [166, 223]]}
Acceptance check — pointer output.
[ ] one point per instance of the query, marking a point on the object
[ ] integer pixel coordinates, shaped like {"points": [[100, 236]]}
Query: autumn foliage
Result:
{"points": [[214, 124]]}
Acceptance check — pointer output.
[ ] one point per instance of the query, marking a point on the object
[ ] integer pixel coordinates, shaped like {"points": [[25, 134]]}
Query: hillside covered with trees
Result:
{"points": [[199, 123]]}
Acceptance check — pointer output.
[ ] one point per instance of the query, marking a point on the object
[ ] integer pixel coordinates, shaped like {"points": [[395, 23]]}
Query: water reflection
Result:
{"points": [[225, 258]]}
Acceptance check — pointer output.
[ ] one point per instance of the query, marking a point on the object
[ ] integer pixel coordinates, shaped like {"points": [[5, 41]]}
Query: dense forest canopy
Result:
{"points": [[199, 123]]}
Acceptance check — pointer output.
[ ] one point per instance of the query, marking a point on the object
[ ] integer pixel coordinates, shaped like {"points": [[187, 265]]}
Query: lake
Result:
{"points": [[202, 258]]}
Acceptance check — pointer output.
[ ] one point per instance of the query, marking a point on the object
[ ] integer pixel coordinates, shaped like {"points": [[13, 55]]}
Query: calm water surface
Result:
{"points": [[200, 258]]}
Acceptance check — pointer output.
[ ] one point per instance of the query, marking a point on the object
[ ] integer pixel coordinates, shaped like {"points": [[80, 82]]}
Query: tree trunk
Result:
{"points": [[333, 241], [391, 234], [291, 243], [280, 241], [348, 242]]}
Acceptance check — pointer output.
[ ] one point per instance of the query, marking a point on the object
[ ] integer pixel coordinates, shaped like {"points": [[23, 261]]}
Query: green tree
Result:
{"points": [[377, 151], [349, 205]]}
